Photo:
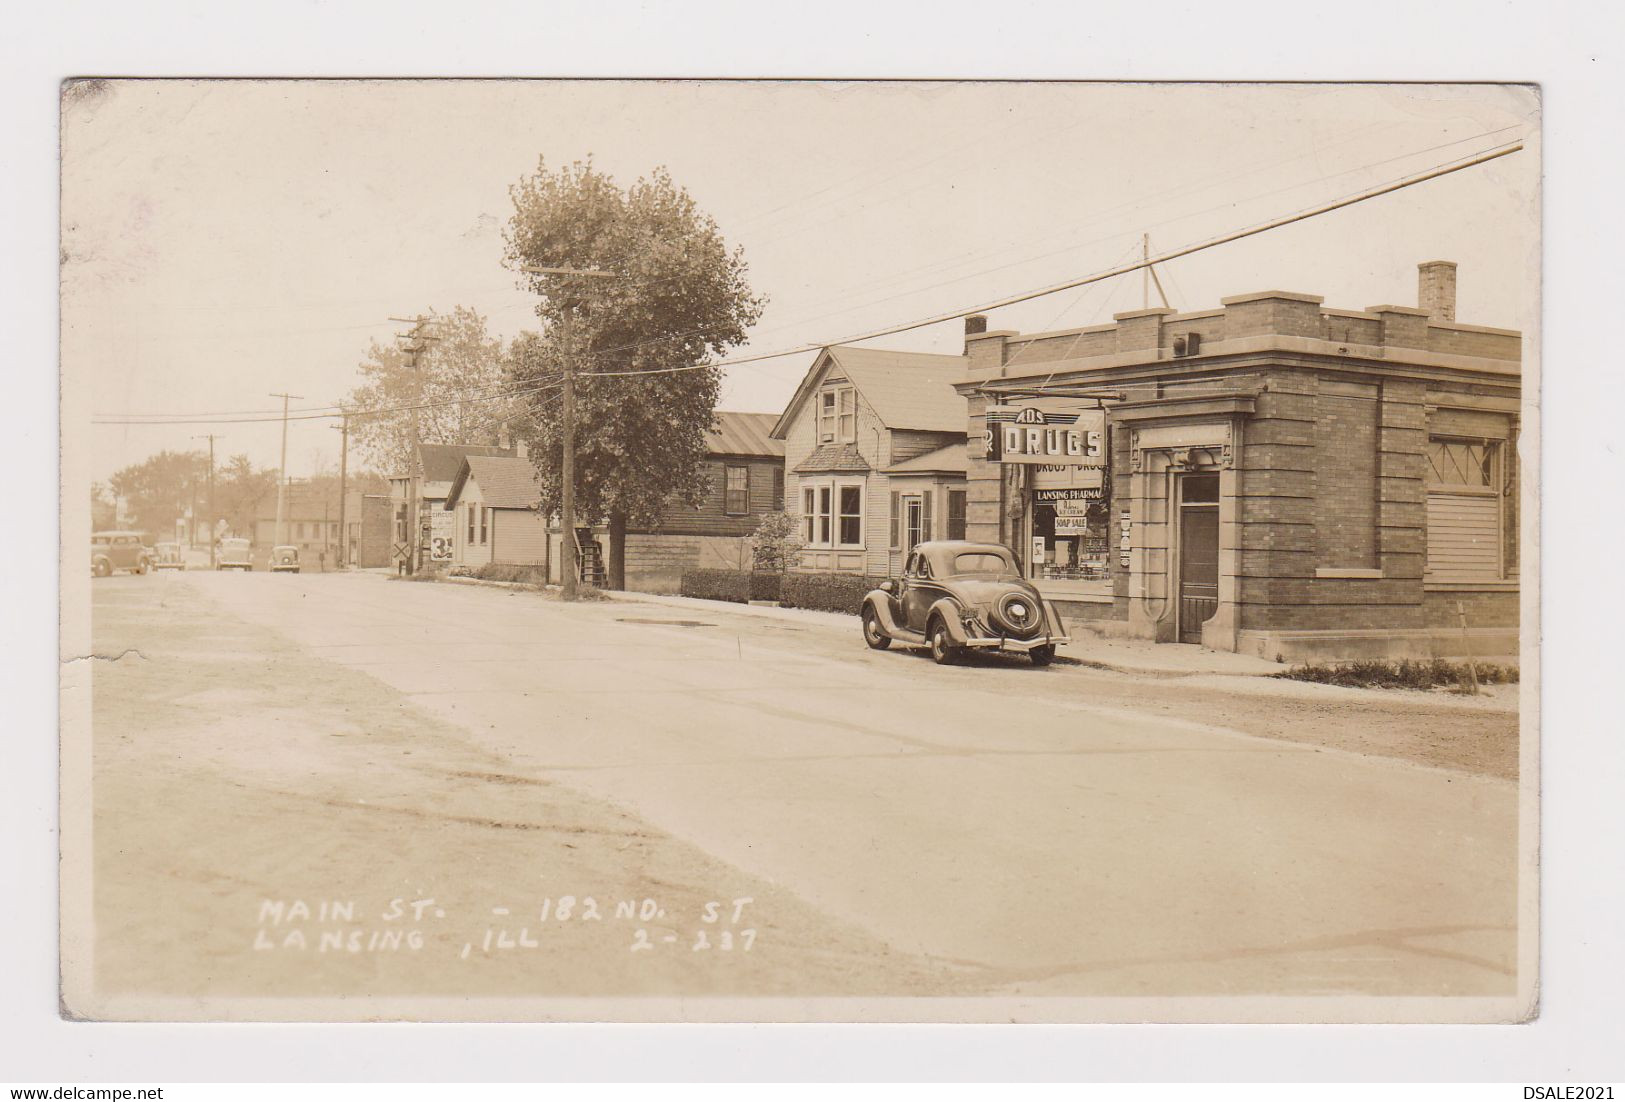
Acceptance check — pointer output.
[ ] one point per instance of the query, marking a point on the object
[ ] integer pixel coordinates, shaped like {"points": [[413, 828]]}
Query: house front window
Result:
{"points": [[838, 416], [737, 491], [832, 514]]}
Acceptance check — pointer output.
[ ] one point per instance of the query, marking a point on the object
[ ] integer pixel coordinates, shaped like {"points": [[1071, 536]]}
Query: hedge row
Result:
{"points": [[738, 586], [511, 572], [827, 592]]}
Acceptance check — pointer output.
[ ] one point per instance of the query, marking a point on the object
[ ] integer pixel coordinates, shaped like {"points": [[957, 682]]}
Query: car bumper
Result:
{"points": [[1019, 646]]}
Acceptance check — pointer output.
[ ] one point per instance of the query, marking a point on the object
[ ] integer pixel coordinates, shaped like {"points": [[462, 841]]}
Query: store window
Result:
{"points": [[1464, 511], [1075, 536], [737, 493]]}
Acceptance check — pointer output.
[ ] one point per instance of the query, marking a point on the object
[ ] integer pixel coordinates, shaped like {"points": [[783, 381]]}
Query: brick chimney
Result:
{"points": [[520, 448], [1436, 289]]}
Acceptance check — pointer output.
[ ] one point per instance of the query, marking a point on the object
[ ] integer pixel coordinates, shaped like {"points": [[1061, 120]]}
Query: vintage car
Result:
{"points": [[110, 551], [233, 555], [167, 556], [285, 559], [956, 596]]}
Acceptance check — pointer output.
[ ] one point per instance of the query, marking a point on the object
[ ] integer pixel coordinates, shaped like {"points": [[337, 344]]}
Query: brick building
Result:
{"points": [[1275, 476], [369, 521]]}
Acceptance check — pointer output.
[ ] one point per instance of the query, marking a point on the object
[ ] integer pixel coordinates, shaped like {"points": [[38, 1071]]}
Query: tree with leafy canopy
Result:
{"points": [[641, 342], [777, 542], [239, 489], [463, 386], [158, 491]]}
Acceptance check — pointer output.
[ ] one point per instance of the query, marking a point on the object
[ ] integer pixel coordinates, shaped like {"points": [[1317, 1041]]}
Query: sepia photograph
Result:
{"points": [[799, 551]]}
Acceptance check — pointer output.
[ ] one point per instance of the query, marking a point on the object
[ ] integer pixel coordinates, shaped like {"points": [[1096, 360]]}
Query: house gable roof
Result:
{"points": [[906, 390], [747, 434], [441, 462], [505, 481]]}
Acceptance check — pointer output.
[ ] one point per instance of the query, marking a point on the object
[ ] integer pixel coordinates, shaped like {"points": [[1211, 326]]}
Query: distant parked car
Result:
{"points": [[233, 555], [285, 559], [110, 551], [167, 556], [956, 596]]}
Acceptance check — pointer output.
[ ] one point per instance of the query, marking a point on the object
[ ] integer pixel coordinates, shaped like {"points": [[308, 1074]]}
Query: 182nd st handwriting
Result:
{"points": [[640, 925]]}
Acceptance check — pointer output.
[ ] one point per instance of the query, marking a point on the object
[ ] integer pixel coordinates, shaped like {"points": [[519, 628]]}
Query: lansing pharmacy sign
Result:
{"points": [[1033, 434]]}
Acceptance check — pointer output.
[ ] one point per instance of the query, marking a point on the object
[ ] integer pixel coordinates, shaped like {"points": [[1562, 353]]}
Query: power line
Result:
{"points": [[1162, 258]]}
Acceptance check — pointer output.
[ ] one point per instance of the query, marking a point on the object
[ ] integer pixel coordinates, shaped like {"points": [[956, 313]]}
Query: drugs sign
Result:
{"points": [[1034, 435]]}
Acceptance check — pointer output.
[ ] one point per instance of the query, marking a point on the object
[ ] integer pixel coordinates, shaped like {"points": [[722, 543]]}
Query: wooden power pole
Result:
{"points": [[344, 482], [571, 574], [417, 337], [213, 518], [282, 469]]}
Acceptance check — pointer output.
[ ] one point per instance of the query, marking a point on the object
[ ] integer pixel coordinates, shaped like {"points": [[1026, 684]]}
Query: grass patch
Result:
{"points": [[1405, 673]]}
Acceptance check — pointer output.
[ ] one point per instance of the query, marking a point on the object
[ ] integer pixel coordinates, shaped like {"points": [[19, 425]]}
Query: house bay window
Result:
{"points": [[851, 516], [832, 514], [1464, 542]]}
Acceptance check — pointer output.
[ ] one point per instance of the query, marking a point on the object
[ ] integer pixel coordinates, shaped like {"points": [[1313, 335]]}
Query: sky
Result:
{"points": [[226, 240]]}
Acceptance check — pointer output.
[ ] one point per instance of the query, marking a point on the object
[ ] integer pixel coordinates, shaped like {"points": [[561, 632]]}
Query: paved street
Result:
{"points": [[899, 827]]}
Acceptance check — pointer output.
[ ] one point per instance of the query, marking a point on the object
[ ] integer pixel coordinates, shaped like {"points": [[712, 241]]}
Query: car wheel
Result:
{"points": [[102, 569], [873, 633], [1042, 656], [943, 651]]}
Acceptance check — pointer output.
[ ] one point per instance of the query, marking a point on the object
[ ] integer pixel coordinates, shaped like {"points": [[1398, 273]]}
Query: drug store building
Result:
{"points": [[1274, 476]]}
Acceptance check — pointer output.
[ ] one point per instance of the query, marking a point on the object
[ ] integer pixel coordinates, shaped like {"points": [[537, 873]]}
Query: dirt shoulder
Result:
{"points": [[241, 783]]}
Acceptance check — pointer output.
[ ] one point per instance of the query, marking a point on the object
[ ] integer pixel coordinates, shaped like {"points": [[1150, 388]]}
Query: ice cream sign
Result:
{"points": [[1034, 435]]}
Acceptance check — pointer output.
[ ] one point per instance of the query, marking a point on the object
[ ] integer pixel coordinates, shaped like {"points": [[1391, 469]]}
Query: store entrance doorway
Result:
{"points": [[1198, 553]]}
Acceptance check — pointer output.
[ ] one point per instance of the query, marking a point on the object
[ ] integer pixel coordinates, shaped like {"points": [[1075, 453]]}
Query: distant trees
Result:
{"points": [[460, 372], [239, 487], [159, 490], [639, 342], [103, 508]]}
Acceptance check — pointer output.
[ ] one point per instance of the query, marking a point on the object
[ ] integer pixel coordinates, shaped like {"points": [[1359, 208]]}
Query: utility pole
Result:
{"points": [[1149, 274], [571, 574], [282, 470], [344, 476], [209, 528], [414, 537]]}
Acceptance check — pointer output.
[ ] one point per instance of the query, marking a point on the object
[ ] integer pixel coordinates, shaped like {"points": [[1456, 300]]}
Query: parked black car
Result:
{"points": [[955, 595]]}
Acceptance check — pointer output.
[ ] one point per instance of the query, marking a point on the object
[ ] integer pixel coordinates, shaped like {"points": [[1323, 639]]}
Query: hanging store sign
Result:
{"points": [[1046, 434], [1077, 494]]}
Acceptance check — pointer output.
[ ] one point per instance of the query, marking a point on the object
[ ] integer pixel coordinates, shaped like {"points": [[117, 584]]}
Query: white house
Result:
{"points": [[492, 503], [875, 458]]}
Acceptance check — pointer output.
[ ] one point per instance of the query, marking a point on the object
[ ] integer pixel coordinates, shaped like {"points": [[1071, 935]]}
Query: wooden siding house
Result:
{"points": [[874, 445], [744, 469], [493, 505]]}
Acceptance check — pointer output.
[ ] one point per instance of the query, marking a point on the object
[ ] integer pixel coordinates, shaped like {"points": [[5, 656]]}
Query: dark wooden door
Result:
{"points": [[1198, 554]]}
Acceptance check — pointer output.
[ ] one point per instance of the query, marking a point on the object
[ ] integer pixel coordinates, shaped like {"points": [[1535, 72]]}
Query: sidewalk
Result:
{"points": [[1122, 655]]}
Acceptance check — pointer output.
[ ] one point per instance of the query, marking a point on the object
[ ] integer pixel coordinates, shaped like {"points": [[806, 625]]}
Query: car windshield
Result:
{"points": [[99, 541], [982, 562]]}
